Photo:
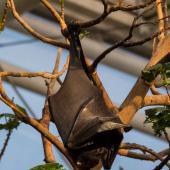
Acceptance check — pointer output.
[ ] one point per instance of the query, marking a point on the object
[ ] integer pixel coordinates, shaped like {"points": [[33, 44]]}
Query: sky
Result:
{"points": [[25, 148]]}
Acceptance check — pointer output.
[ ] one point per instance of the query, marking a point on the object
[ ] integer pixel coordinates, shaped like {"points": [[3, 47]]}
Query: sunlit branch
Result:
{"points": [[152, 100], [46, 116], [54, 13], [31, 30], [134, 146]]}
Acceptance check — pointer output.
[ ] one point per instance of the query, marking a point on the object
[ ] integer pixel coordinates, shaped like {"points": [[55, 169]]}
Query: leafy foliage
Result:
{"points": [[160, 69], [49, 166], [2, 23], [159, 117], [10, 120], [61, 2], [84, 34], [151, 73], [22, 109]]}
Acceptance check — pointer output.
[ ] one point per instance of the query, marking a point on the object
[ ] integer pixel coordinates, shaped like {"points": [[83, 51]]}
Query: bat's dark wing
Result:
{"points": [[78, 109]]}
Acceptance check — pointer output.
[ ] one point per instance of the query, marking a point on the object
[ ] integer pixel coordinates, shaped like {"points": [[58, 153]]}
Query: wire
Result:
{"points": [[15, 43]]}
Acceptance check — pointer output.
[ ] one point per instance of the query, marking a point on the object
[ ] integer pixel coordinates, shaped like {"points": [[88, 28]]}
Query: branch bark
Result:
{"points": [[112, 7], [46, 116], [31, 30], [152, 100], [135, 99], [35, 74], [55, 14]]}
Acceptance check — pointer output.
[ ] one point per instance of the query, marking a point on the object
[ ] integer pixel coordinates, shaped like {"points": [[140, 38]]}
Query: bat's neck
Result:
{"points": [[77, 58]]}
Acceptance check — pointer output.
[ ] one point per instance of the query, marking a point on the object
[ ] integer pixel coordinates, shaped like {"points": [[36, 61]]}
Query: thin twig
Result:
{"points": [[47, 145], [34, 74], [165, 12], [112, 106], [167, 91], [54, 13], [129, 7], [36, 125], [109, 8], [143, 149], [117, 44], [62, 10], [124, 42], [46, 116], [163, 163], [140, 156], [31, 30], [16, 43], [154, 90], [167, 138], [19, 94], [163, 153], [5, 143], [162, 11], [140, 42], [4, 16]]}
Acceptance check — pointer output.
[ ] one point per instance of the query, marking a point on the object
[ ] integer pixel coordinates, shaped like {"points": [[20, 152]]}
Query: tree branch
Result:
{"points": [[152, 100], [107, 99], [22, 116], [31, 30], [35, 74], [5, 143], [47, 145], [160, 15], [136, 96], [140, 156], [143, 149], [54, 13], [163, 163], [36, 125], [46, 116], [110, 7], [4, 16], [129, 7], [154, 90], [136, 43], [125, 42]]}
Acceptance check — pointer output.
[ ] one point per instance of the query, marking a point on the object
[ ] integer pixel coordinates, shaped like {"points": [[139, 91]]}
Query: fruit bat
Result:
{"points": [[89, 130]]}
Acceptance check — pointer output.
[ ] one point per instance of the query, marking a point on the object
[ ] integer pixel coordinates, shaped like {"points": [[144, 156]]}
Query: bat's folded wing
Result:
{"points": [[79, 111]]}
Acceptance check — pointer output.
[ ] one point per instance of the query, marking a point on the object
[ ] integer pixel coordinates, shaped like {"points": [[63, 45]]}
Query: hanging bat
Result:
{"points": [[87, 127]]}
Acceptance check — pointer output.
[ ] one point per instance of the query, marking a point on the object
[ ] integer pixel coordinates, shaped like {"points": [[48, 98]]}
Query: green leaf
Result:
{"points": [[61, 2], [163, 70], [166, 72], [167, 66], [2, 25], [160, 119], [1, 18], [22, 109], [151, 73], [49, 166], [10, 120], [84, 34]]}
